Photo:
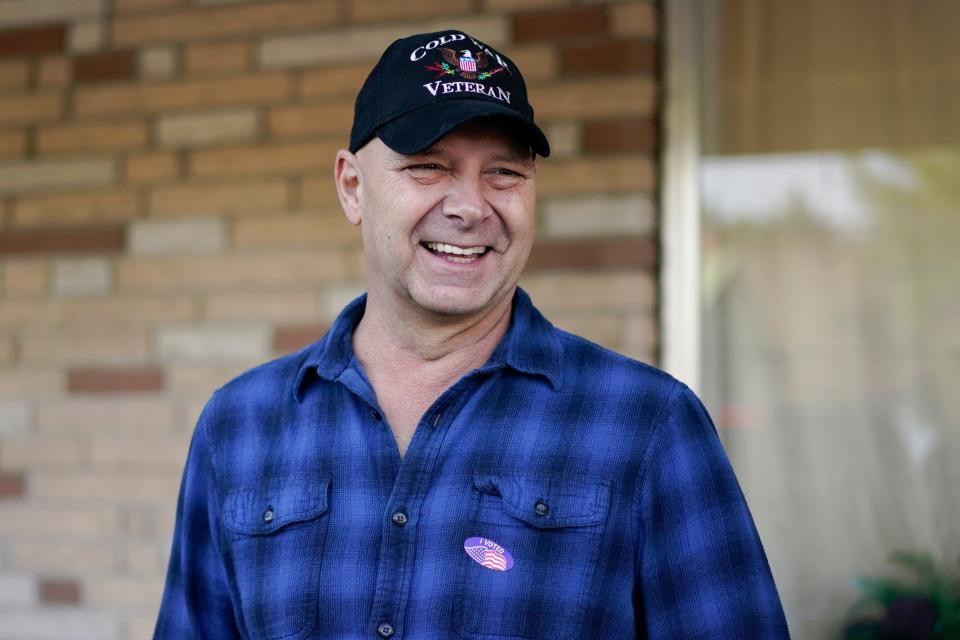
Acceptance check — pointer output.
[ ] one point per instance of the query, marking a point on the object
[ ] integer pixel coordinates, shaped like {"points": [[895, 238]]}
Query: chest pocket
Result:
{"points": [[552, 527], [276, 532]]}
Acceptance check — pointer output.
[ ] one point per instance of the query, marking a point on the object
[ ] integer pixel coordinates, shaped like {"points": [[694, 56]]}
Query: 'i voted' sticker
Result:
{"points": [[488, 553]]}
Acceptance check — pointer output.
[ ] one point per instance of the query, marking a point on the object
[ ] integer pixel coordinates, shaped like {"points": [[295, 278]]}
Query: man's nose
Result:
{"points": [[465, 202]]}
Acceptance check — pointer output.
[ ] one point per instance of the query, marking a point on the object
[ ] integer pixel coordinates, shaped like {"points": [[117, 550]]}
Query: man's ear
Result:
{"points": [[346, 173]]}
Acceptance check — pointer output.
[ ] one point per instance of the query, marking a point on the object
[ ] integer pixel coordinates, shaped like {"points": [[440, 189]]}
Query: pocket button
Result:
{"points": [[268, 515], [541, 508]]}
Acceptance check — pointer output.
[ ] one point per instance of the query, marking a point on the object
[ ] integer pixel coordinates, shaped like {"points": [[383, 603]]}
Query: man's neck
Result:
{"points": [[390, 339], [411, 359]]}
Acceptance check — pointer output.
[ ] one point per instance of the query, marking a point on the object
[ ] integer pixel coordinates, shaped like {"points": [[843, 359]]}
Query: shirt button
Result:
{"points": [[399, 518], [385, 630], [268, 515], [541, 508]]}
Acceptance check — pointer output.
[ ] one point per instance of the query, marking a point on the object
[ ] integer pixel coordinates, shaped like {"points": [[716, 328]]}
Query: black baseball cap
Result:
{"points": [[426, 85]]}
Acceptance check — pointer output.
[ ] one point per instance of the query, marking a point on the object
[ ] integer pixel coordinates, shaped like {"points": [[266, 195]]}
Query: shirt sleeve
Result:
{"points": [[196, 602], [702, 571]]}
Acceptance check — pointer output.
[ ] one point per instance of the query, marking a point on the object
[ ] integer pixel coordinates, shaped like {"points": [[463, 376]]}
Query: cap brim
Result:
{"points": [[420, 128]]}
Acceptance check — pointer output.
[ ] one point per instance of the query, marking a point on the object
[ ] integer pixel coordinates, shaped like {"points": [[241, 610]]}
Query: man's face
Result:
{"points": [[449, 230]]}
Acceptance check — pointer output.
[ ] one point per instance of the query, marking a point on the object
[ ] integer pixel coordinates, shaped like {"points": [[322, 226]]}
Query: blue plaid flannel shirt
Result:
{"points": [[601, 478]]}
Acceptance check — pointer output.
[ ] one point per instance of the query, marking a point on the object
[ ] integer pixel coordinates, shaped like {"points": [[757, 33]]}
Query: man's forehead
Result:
{"points": [[505, 139]]}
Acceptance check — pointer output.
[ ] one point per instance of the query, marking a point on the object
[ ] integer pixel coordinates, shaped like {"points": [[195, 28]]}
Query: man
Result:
{"points": [[445, 463]]}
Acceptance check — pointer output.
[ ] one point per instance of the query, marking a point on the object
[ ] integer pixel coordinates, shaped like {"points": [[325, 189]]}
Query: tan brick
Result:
{"points": [[26, 109], [199, 24], [17, 591], [31, 382], [23, 177], [84, 345], [292, 306], [537, 61], [206, 128], [91, 137], [144, 487], [367, 43], [177, 236], [217, 58], [7, 354], [333, 119], [110, 416], [81, 208], [24, 277], [81, 312], [602, 328], [609, 290], [86, 36], [63, 623], [216, 92], [13, 144], [14, 73], [200, 379], [593, 216], [16, 418], [63, 558], [381, 10], [230, 271], [522, 5], [54, 72], [134, 6], [217, 343], [88, 276], [297, 230], [633, 19], [596, 175], [47, 11], [594, 98], [321, 193], [638, 337], [249, 196], [565, 139], [264, 160], [45, 452], [134, 452], [334, 81], [152, 167], [157, 63], [143, 557], [123, 592], [40, 522]]}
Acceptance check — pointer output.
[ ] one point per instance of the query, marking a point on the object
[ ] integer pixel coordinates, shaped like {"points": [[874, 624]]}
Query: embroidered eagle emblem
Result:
{"points": [[465, 63]]}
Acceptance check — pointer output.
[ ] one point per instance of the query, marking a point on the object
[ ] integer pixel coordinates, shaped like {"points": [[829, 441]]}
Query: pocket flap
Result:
{"points": [[548, 502], [263, 509]]}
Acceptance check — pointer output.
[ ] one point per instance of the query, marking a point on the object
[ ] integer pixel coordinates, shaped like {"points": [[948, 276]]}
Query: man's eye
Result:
{"points": [[426, 166]]}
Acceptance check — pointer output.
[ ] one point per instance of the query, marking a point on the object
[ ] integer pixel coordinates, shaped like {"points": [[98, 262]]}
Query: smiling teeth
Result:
{"points": [[457, 251]]}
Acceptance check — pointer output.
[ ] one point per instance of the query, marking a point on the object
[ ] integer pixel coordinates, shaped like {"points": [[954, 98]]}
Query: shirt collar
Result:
{"points": [[530, 345]]}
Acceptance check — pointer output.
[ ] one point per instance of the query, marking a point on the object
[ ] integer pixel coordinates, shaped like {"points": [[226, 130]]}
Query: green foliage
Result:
{"points": [[921, 583]]}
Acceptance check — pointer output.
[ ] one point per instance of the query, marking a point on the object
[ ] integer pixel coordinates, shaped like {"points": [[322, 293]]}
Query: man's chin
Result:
{"points": [[455, 302]]}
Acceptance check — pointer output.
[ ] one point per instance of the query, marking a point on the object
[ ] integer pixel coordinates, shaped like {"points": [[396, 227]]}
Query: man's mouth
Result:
{"points": [[454, 253]]}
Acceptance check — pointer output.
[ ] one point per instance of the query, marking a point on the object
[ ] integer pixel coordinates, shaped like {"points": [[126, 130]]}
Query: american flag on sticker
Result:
{"points": [[488, 553]]}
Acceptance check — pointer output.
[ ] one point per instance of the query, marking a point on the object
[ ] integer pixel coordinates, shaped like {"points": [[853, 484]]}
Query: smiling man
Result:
{"points": [[445, 463]]}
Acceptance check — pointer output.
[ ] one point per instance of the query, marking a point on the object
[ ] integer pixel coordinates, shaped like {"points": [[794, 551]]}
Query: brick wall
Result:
{"points": [[167, 219]]}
